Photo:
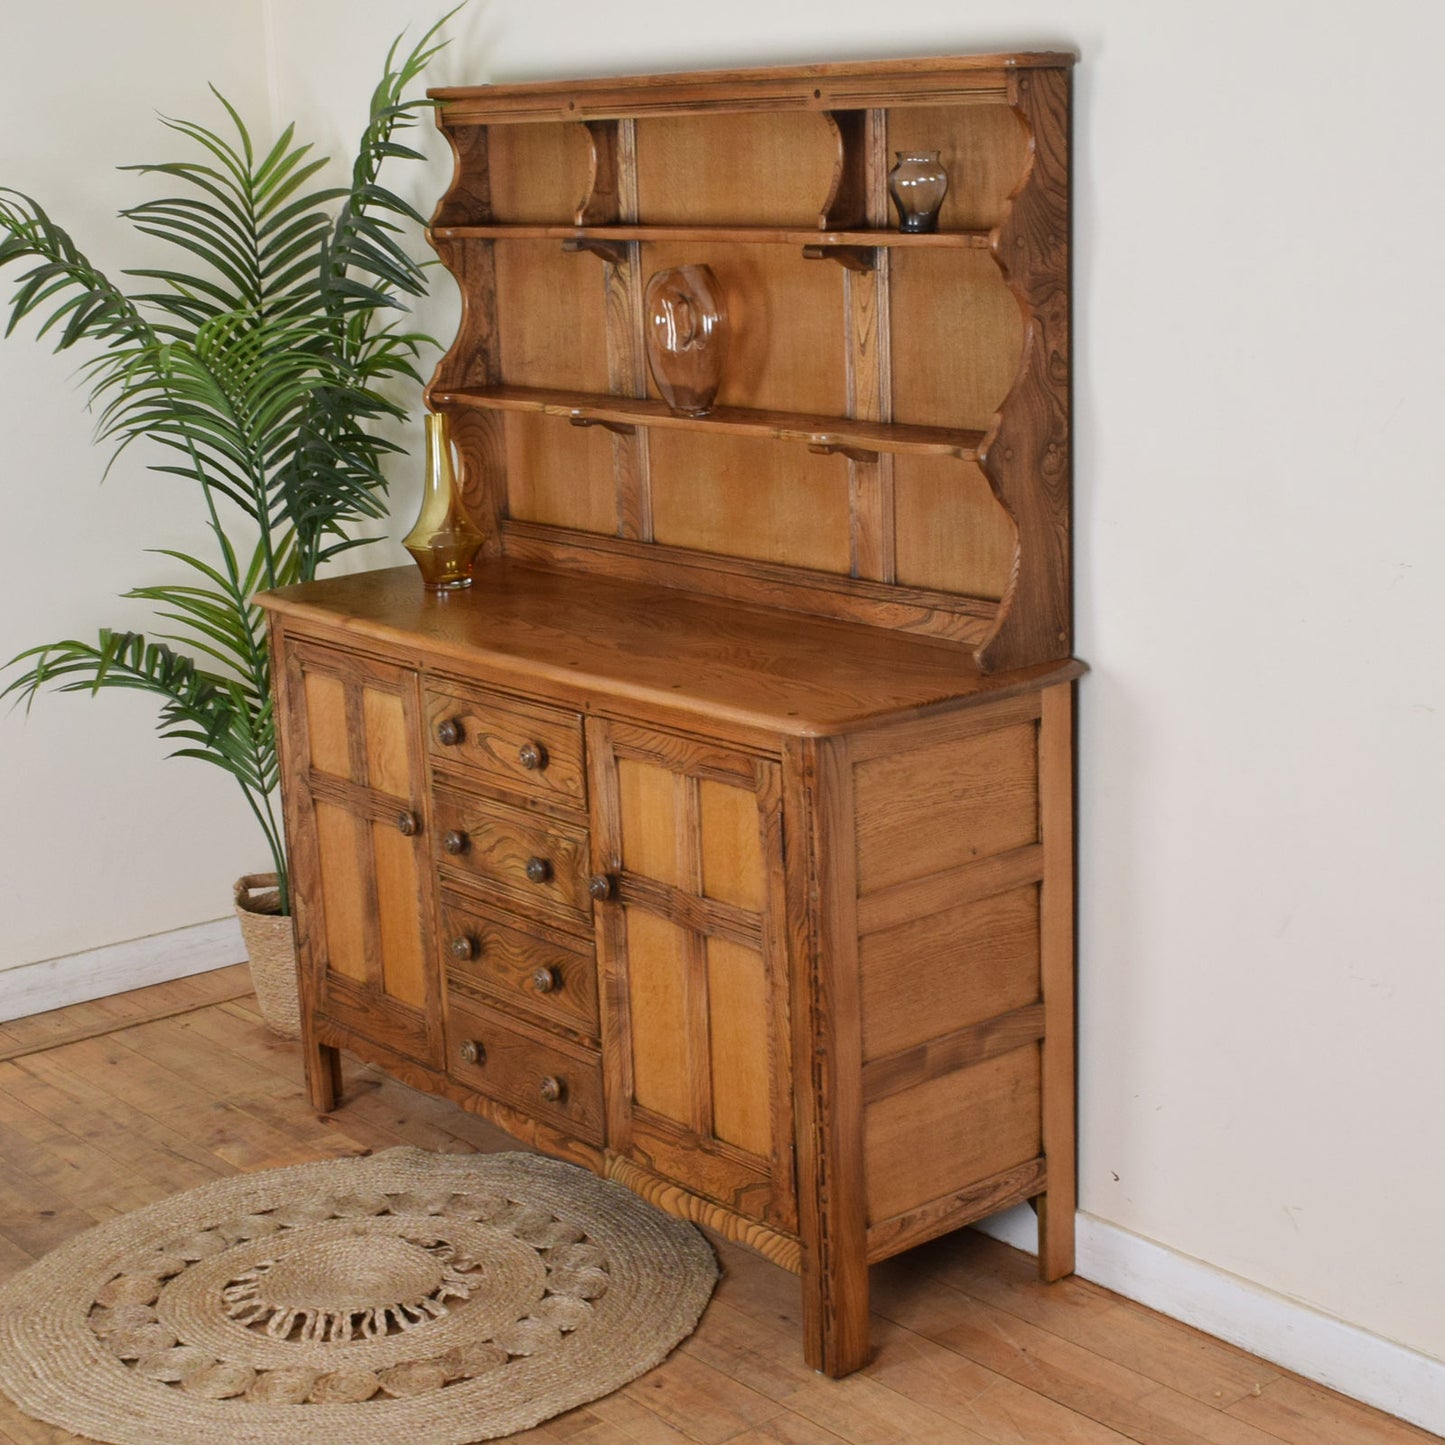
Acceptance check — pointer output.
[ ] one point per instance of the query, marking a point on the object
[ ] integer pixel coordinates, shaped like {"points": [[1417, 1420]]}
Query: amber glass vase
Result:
{"points": [[444, 542], [917, 183], [687, 336]]}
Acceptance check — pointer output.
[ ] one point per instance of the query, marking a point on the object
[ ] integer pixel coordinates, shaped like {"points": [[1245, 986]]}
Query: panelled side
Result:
{"points": [[957, 903]]}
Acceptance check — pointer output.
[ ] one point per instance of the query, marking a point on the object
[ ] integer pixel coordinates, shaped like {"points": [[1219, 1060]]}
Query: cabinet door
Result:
{"points": [[692, 958], [359, 851]]}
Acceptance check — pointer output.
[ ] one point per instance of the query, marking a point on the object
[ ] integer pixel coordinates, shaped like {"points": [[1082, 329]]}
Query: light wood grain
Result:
{"points": [[947, 1133], [738, 1008], [1092, 1368], [948, 970], [656, 650], [976, 240], [520, 964], [507, 744], [500, 844], [538, 172], [847, 85], [928, 809], [755, 169], [816, 428], [558, 476]]}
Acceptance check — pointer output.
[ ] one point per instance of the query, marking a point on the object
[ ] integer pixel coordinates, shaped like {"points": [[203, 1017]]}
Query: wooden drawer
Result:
{"points": [[502, 1058], [535, 864], [523, 747], [543, 973]]}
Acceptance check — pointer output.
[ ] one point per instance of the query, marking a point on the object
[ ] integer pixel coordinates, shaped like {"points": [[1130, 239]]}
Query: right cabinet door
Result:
{"points": [[692, 960]]}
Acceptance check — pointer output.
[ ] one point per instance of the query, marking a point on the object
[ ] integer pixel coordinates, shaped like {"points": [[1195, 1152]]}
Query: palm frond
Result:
{"points": [[254, 361]]}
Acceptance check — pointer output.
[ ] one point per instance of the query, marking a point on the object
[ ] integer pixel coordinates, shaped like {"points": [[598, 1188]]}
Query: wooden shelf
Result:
{"points": [[818, 433], [745, 235]]}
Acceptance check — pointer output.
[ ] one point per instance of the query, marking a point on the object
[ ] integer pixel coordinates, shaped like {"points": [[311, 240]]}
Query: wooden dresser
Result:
{"points": [[719, 837]]}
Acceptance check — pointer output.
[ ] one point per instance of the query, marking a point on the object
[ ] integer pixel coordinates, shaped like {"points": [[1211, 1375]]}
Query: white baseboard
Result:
{"points": [[33, 988], [1285, 1331]]}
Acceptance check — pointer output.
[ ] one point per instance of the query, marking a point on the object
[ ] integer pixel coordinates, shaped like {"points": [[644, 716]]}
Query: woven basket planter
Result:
{"points": [[271, 947]]}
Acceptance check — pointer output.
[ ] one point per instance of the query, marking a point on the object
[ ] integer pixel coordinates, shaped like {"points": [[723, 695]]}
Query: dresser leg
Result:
{"points": [[1056, 1234], [323, 1076], [835, 1313]]}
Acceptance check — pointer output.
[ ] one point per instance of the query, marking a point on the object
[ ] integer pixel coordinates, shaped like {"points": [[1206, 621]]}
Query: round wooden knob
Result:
{"points": [[449, 732], [464, 947], [532, 756], [601, 887], [456, 841], [539, 870], [408, 824], [545, 980], [472, 1052], [553, 1090]]}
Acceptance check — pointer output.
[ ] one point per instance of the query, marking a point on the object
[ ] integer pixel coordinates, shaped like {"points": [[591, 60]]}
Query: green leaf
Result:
{"points": [[253, 369]]}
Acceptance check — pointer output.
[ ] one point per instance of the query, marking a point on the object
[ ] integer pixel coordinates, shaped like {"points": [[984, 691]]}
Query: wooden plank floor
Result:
{"points": [[107, 1106]]}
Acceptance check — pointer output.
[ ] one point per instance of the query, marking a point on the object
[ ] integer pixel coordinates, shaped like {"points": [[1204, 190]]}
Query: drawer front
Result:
{"points": [[523, 747], [534, 972], [534, 863], [496, 1056]]}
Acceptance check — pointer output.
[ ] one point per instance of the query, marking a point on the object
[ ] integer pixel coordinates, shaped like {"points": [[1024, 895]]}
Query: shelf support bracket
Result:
{"points": [[613, 252], [620, 428], [853, 258], [826, 447]]}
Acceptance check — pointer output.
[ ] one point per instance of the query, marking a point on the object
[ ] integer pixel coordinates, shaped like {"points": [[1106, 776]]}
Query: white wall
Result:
{"points": [[1261, 589], [1260, 523], [103, 839]]}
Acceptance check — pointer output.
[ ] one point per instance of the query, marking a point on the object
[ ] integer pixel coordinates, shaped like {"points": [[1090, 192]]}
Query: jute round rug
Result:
{"points": [[404, 1299]]}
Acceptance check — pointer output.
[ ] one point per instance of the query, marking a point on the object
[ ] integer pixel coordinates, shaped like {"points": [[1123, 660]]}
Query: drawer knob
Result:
{"points": [[472, 1052], [532, 756], [449, 732], [553, 1090], [601, 887], [408, 824], [546, 980], [539, 870], [464, 947], [456, 841]]}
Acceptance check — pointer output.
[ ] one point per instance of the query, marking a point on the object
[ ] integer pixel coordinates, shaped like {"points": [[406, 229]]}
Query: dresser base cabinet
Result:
{"points": [[718, 836], [809, 987]]}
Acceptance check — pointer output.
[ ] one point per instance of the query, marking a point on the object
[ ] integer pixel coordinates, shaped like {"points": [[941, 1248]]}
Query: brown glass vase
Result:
{"points": [[686, 329], [443, 543], [917, 183]]}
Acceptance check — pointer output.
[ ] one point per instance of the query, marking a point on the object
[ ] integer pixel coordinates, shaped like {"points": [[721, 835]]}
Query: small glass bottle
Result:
{"points": [[443, 542], [917, 183]]}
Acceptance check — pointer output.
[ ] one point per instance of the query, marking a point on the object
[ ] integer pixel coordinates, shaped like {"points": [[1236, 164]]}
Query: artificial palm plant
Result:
{"points": [[256, 362]]}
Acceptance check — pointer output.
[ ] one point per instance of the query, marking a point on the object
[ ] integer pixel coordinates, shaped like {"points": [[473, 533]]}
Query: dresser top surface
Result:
{"points": [[582, 638]]}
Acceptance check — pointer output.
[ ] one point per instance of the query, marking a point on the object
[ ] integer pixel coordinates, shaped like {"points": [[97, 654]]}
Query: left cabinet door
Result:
{"points": [[356, 779]]}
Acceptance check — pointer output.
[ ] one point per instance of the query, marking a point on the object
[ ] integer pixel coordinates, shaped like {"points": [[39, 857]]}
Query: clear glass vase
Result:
{"points": [[918, 184], [443, 543], [686, 330]]}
